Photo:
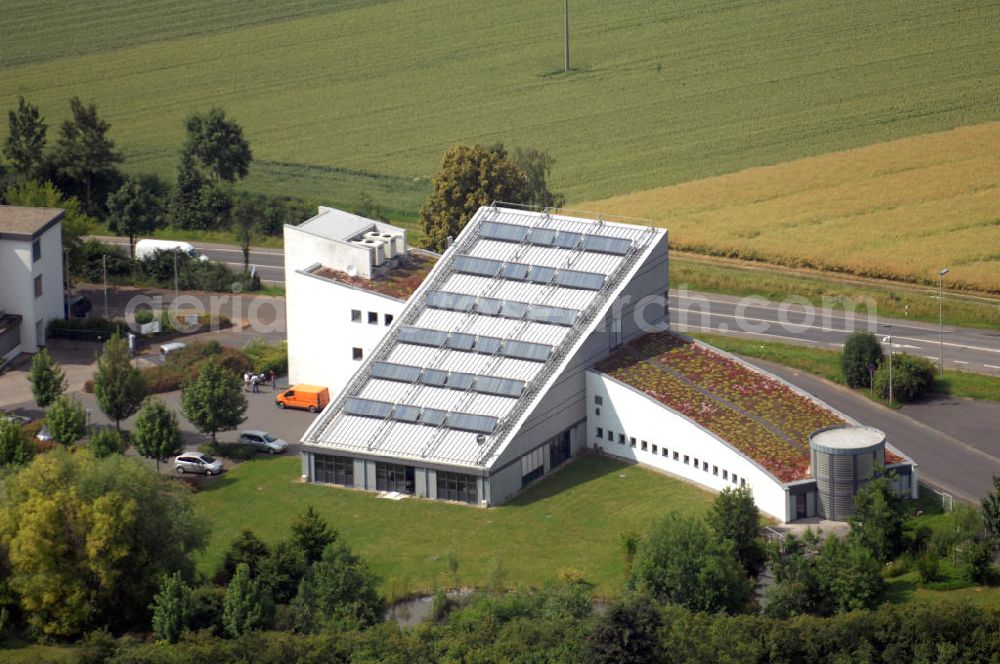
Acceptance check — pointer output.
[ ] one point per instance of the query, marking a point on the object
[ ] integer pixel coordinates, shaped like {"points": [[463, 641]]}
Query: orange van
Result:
{"points": [[308, 397]]}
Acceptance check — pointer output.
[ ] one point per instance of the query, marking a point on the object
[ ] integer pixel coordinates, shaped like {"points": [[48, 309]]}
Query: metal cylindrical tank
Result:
{"points": [[844, 458]]}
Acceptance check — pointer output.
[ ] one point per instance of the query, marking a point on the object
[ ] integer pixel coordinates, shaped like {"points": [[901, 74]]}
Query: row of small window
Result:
{"points": [[372, 318], [664, 452]]}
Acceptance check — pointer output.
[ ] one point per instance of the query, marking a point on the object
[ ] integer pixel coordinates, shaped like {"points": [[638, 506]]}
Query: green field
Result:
{"points": [[570, 520], [340, 98]]}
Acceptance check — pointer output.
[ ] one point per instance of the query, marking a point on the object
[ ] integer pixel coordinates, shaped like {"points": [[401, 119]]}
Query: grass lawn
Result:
{"points": [[898, 210], [826, 363], [342, 97], [892, 299], [570, 520]]}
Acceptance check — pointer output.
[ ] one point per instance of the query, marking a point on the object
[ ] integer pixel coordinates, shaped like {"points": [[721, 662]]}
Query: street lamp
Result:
{"points": [[889, 340], [940, 315]]}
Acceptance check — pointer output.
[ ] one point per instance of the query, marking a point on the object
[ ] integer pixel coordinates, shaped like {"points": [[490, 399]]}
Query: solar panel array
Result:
{"points": [[416, 415], [454, 380]]}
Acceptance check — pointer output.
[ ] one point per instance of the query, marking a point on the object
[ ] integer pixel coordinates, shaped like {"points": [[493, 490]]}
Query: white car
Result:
{"points": [[44, 434], [196, 462]]}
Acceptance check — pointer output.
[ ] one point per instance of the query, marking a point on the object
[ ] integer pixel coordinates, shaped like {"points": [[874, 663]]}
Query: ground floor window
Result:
{"points": [[394, 477], [333, 469], [559, 449], [456, 486], [532, 465]]}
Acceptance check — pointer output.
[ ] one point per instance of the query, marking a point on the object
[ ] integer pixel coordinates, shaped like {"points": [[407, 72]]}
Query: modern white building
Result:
{"points": [[346, 279], [31, 277]]}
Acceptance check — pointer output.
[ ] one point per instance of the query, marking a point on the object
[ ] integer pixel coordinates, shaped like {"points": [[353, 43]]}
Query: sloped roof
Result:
{"points": [[24, 223], [477, 344]]}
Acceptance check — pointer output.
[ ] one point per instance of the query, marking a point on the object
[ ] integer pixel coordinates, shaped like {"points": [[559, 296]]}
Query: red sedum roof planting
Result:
{"points": [[760, 416]]}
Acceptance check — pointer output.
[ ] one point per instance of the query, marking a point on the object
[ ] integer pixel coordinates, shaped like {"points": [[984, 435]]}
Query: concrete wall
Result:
{"points": [[303, 249], [17, 283], [629, 412], [321, 335]]}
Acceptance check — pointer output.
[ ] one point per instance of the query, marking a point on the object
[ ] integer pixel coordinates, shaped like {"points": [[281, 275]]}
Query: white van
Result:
{"points": [[166, 349], [146, 248]]}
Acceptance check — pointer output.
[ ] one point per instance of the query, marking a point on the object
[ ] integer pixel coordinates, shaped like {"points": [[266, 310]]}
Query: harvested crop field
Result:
{"points": [[901, 210]]}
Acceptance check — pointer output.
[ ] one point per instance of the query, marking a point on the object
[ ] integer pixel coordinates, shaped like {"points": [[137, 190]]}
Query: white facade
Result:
{"points": [[626, 423], [31, 272]]}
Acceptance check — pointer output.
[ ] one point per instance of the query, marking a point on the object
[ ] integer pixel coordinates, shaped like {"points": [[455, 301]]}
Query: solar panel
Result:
{"points": [[489, 306], [458, 380], [473, 265], [434, 377], [504, 387], [487, 345], [405, 413], [540, 274], [606, 245], [567, 240], [515, 271], [475, 423], [553, 315], [511, 309], [460, 341], [450, 301], [542, 236], [390, 371], [422, 337], [367, 408], [525, 350], [433, 417], [498, 231], [576, 279]]}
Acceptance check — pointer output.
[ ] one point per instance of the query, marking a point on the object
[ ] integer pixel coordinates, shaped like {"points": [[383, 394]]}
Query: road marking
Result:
{"points": [[991, 366], [959, 362]]}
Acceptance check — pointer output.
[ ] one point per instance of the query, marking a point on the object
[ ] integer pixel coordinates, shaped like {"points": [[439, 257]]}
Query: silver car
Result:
{"points": [[262, 441], [196, 462]]}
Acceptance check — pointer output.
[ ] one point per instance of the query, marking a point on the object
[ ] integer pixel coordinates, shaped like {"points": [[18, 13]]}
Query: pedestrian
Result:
{"points": [[246, 381], [274, 380], [255, 383]]}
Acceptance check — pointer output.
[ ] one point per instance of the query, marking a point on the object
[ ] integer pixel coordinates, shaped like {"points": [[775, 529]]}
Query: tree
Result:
{"points": [[245, 219], [83, 151], [311, 534], [66, 420], [105, 442], [88, 540], [118, 385], [853, 575], [338, 589], [681, 562], [218, 145], [133, 210], [171, 609], [247, 606], [75, 224], [629, 541], [991, 512], [281, 571], [15, 448], [214, 401], [470, 176], [156, 432], [247, 549], [912, 377], [735, 517], [26, 138], [47, 379], [862, 355], [537, 164], [879, 519], [626, 633], [187, 208]]}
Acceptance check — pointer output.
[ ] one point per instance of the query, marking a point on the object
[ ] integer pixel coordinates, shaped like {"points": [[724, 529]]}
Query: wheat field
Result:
{"points": [[901, 210]]}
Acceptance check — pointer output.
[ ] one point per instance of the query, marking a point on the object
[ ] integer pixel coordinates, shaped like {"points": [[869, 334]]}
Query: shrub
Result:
{"points": [[107, 441], [184, 364], [976, 562], [266, 357], [912, 377], [91, 268], [861, 351], [929, 567], [192, 273]]}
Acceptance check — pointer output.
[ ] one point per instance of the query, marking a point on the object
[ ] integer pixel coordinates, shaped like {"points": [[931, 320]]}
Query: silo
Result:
{"points": [[844, 458]]}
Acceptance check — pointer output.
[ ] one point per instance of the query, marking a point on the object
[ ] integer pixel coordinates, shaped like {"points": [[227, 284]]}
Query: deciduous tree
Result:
{"points": [[247, 607], [156, 432], [118, 385], [735, 517], [246, 217], [133, 210], [536, 165], [84, 151], [338, 589], [214, 401], [66, 420], [15, 448], [991, 511], [217, 143], [75, 223], [47, 379], [879, 519], [470, 176], [105, 442], [246, 549], [25, 140], [861, 356], [171, 609], [627, 633]]}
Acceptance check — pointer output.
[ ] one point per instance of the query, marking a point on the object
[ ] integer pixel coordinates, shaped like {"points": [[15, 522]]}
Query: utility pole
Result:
{"points": [[175, 274], [105, 261], [941, 315], [889, 338], [66, 281], [566, 25]]}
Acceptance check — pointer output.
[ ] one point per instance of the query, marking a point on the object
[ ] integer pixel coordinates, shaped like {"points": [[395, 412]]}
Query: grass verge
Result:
{"points": [[570, 520], [891, 299], [826, 364]]}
